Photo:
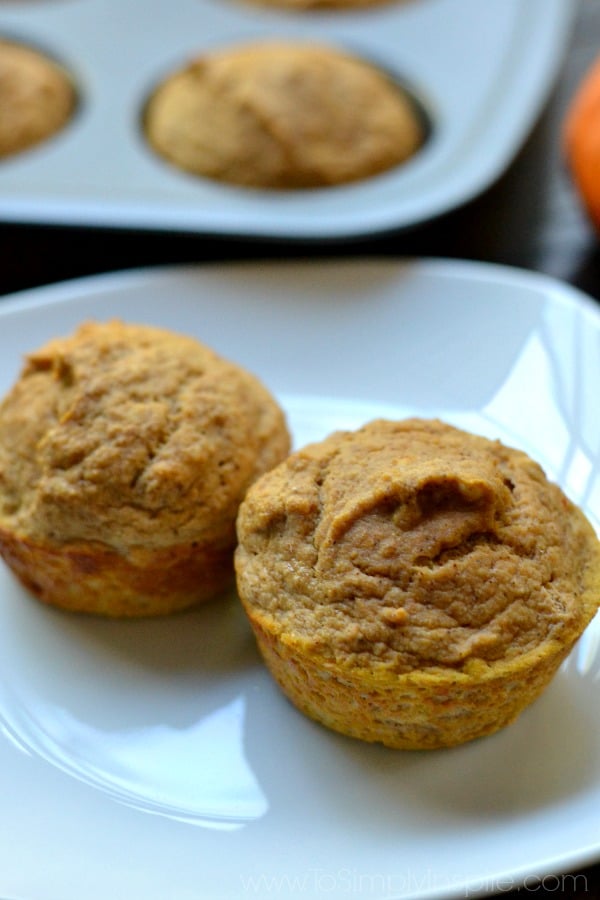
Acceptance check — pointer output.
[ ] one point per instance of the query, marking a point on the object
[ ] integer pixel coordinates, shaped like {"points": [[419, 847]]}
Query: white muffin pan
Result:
{"points": [[482, 69]]}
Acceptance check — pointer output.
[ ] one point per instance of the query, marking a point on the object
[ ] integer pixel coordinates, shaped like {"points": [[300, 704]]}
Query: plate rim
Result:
{"points": [[65, 290]]}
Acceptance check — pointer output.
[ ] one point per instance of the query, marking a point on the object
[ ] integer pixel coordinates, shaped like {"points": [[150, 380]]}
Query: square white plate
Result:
{"points": [[156, 759], [482, 69]]}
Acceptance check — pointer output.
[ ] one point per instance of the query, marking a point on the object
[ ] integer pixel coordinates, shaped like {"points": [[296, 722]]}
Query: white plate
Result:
{"points": [[483, 68], [153, 760]]}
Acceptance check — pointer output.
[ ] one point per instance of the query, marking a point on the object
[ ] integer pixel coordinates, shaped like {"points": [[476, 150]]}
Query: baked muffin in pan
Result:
{"points": [[37, 97], [326, 5], [282, 115]]}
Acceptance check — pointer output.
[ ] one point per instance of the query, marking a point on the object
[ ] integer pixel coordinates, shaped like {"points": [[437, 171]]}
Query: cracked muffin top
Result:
{"points": [[416, 545], [36, 97], [132, 435], [280, 115]]}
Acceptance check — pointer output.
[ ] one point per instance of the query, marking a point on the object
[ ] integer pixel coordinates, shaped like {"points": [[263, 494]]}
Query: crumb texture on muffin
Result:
{"points": [[414, 557], [282, 115], [37, 98], [130, 446]]}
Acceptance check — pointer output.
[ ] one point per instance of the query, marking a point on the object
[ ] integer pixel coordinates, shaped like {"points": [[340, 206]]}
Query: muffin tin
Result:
{"points": [[481, 71]]}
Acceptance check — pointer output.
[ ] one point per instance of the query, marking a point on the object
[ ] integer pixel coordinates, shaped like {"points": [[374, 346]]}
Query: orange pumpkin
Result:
{"points": [[582, 141]]}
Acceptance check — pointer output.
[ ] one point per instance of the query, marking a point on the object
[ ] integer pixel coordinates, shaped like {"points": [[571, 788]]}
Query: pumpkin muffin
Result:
{"points": [[414, 584], [125, 451], [280, 115], [37, 98], [311, 5]]}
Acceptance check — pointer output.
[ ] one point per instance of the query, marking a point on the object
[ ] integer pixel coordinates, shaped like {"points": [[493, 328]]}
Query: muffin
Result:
{"points": [[37, 98], [125, 451], [279, 115], [413, 584], [338, 5]]}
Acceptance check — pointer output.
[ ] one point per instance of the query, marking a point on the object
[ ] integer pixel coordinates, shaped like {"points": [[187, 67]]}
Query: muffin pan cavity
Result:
{"points": [[37, 96], [481, 72], [282, 115]]}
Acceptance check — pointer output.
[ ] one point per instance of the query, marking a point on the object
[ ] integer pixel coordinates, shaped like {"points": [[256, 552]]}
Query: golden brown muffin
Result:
{"points": [[282, 116], [338, 5], [37, 97], [125, 451], [414, 584]]}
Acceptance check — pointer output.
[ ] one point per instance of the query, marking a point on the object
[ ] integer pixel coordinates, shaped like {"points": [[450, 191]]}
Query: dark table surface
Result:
{"points": [[531, 218]]}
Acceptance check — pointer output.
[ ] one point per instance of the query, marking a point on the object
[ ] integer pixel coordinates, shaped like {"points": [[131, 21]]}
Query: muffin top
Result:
{"points": [[300, 5], [36, 97], [281, 115], [418, 546], [133, 436]]}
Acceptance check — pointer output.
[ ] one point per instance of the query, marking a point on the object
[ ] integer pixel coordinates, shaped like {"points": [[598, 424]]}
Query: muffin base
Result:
{"points": [[424, 710], [92, 578]]}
